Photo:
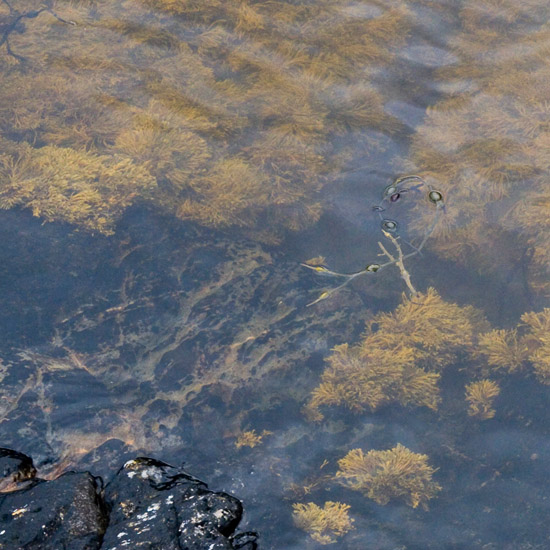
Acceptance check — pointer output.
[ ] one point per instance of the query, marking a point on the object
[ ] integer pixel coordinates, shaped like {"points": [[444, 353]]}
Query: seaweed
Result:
{"points": [[360, 380], [250, 438], [480, 395], [537, 341], [485, 143], [521, 349], [503, 350], [395, 474], [14, 23], [82, 188], [399, 357], [325, 525], [236, 108]]}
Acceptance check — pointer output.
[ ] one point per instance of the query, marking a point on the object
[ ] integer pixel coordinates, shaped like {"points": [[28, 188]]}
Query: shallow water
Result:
{"points": [[165, 168]]}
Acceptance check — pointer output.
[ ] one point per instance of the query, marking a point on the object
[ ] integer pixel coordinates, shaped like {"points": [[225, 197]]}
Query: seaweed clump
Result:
{"points": [[503, 350], [395, 474], [537, 342], [399, 358], [78, 187], [480, 395], [325, 524], [512, 350]]}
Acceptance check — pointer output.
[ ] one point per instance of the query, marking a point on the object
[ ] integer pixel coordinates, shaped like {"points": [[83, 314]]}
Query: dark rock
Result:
{"points": [[154, 505], [15, 467], [25, 426], [149, 505], [245, 541], [106, 459], [49, 515]]}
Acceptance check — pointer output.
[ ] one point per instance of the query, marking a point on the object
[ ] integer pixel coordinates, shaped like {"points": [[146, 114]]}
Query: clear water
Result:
{"points": [[165, 168]]}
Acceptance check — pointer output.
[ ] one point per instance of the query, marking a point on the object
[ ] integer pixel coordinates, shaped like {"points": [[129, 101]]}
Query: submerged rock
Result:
{"points": [[147, 505], [15, 467]]}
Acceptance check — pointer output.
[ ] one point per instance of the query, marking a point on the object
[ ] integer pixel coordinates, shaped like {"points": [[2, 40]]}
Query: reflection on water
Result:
{"points": [[166, 166]]}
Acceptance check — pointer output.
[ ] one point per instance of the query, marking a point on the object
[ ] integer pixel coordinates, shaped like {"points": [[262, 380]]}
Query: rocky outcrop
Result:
{"points": [[147, 505]]}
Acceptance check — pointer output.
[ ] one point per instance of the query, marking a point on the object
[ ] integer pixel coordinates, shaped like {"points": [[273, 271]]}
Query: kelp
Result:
{"points": [[399, 357], [395, 474], [325, 525], [480, 395]]}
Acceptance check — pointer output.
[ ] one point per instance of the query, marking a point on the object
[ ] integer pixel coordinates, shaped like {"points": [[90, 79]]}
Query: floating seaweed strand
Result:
{"points": [[391, 194]]}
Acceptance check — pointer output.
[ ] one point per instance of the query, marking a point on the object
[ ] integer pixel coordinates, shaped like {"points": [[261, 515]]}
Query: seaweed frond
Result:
{"points": [[399, 356], [360, 381], [221, 196], [436, 329], [250, 438], [486, 142]]}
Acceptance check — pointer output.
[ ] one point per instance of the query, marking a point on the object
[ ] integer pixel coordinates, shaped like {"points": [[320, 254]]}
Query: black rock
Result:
{"points": [[245, 541], [105, 459], [148, 505], [154, 505], [49, 515], [14, 467]]}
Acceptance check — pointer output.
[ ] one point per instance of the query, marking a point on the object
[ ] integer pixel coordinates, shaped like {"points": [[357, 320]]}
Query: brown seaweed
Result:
{"points": [[395, 474]]}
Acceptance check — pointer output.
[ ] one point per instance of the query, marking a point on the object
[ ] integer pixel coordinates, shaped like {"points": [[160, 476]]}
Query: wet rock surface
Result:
{"points": [[154, 505], [147, 505], [15, 467], [64, 513]]}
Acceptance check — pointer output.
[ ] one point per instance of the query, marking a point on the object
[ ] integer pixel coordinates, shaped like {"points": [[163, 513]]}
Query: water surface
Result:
{"points": [[165, 168]]}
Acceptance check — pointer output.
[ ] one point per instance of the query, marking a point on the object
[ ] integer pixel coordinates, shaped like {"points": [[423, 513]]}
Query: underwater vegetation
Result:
{"points": [[79, 187], [395, 474], [515, 350], [537, 341], [228, 113], [402, 353], [362, 381], [480, 395], [324, 524], [503, 350], [399, 358], [250, 438], [485, 143], [13, 21]]}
